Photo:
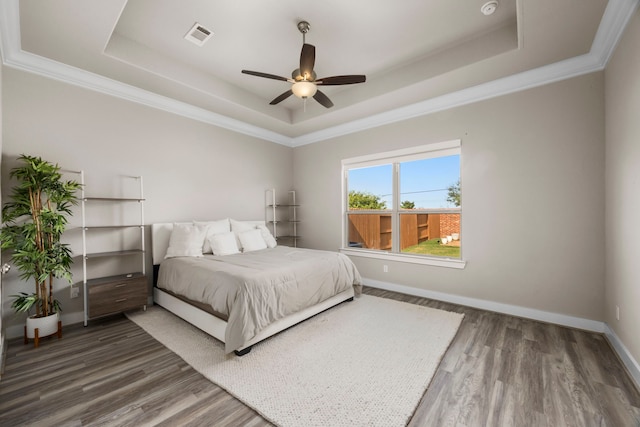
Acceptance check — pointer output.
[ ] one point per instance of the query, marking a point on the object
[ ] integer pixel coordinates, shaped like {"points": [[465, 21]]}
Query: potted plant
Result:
{"points": [[32, 225]]}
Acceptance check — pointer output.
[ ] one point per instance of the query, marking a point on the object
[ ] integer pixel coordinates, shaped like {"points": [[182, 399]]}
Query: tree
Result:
{"points": [[33, 223], [407, 205], [454, 194], [364, 200]]}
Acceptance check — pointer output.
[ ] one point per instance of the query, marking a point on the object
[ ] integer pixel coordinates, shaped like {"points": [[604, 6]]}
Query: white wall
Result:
{"points": [[532, 203], [622, 82], [191, 170]]}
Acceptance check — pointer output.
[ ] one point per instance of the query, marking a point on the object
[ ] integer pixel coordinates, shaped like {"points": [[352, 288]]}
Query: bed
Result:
{"points": [[248, 290]]}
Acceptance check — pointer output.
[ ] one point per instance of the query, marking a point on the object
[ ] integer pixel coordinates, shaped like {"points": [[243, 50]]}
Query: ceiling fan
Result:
{"points": [[305, 83]]}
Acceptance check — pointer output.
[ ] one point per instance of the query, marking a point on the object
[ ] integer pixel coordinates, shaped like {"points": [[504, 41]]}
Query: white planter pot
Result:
{"points": [[455, 236], [46, 325]]}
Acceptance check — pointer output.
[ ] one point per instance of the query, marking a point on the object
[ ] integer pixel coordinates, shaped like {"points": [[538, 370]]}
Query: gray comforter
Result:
{"points": [[257, 288]]}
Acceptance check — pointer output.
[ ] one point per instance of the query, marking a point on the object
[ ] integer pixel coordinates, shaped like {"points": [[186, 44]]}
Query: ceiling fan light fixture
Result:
{"points": [[304, 89], [303, 79]]}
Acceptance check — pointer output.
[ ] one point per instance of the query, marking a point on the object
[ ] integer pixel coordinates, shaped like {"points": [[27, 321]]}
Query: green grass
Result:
{"points": [[433, 247]]}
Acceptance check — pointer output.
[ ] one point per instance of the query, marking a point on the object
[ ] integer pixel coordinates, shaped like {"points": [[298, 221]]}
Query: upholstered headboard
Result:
{"points": [[160, 235]]}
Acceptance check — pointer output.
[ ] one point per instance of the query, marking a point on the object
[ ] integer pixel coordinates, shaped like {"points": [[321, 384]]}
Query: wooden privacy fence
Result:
{"points": [[373, 231]]}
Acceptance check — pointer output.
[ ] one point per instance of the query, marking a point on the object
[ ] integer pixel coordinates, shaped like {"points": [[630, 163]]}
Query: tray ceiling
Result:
{"points": [[418, 56]]}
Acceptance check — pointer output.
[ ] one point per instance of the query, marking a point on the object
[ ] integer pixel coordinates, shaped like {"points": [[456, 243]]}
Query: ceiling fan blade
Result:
{"points": [[323, 99], [265, 75], [282, 97], [341, 80], [307, 61]]}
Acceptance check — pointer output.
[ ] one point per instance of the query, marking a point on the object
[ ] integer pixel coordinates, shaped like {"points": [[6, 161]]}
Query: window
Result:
{"points": [[405, 202]]}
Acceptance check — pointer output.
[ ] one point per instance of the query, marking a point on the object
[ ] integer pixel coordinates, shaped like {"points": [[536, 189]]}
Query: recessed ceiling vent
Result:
{"points": [[198, 34]]}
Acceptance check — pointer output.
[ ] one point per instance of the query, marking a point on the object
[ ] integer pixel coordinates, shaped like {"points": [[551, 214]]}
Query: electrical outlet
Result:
{"points": [[75, 292], [617, 312], [385, 268]]}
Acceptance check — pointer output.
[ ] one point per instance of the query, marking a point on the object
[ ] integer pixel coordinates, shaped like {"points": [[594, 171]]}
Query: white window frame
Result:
{"points": [[439, 149]]}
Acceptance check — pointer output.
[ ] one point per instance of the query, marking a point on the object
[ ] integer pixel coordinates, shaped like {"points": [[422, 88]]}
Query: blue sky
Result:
{"points": [[424, 182]]}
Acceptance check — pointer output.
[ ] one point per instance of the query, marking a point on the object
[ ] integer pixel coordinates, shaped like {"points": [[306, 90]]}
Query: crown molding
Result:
{"points": [[13, 56], [614, 21], [572, 67], [612, 25], [76, 76], [9, 28]]}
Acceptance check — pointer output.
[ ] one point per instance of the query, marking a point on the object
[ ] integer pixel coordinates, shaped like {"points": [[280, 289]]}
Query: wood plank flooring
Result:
{"points": [[499, 371]]}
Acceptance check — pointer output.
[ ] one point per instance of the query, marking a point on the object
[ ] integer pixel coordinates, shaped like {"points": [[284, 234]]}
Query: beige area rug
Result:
{"points": [[363, 363]]}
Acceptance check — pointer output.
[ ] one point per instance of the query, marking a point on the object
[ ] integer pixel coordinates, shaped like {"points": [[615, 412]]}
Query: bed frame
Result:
{"points": [[212, 325]]}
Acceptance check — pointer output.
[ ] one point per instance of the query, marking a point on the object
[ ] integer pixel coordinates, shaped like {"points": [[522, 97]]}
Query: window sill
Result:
{"points": [[412, 259]]}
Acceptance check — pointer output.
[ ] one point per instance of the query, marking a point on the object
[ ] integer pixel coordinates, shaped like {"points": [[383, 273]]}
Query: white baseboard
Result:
{"points": [[514, 310], [629, 362]]}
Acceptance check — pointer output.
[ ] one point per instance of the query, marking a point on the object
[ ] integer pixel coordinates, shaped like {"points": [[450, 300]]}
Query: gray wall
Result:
{"points": [[191, 170], [622, 82], [532, 201]]}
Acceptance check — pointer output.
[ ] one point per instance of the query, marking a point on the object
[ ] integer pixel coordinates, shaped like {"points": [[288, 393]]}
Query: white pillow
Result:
{"points": [[224, 244], [186, 240], [251, 240], [213, 227], [267, 236], [240, 226]]}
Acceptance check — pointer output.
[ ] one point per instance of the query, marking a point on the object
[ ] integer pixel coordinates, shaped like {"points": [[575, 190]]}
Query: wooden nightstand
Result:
{"points": [[115, 294]]}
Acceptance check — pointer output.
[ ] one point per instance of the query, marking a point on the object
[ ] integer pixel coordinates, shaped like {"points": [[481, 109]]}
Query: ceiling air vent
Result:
{"points": [[198, 34]]}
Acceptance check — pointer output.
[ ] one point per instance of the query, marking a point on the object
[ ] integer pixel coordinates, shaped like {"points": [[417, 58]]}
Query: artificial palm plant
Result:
{"points": [[33, 223]]}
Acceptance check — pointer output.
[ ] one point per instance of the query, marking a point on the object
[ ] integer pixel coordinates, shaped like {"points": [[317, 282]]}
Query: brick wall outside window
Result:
{"points": [[449, 224]]}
